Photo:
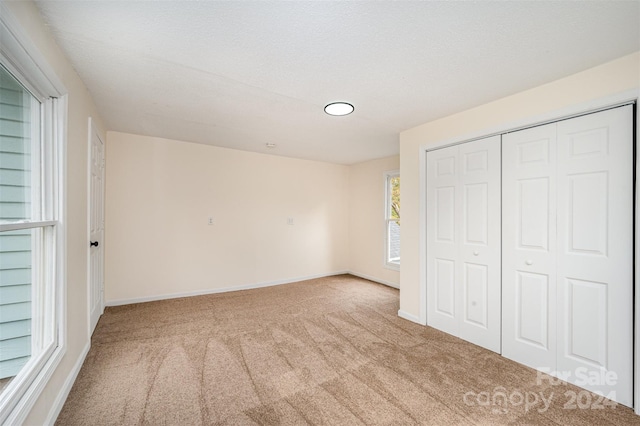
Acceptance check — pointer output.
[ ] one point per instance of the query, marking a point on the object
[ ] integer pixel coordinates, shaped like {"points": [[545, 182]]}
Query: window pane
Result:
{"points": [[22, 252], [19, 121], [393, 220], [394, 196], [16, 274], [394, 241]]}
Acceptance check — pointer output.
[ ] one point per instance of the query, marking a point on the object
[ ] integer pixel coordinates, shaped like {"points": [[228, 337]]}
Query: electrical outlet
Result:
{"points": [[210, 222], [289, 221]]}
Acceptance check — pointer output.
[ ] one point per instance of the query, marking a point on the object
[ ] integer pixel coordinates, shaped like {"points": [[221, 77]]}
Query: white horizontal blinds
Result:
{"points": [[17, 109]]}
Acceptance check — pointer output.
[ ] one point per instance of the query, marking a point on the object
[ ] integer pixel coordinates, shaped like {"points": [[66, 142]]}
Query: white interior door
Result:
{"points": [[595, 252], [529, 247], [567, 250], [96, 228], [463, 241]]}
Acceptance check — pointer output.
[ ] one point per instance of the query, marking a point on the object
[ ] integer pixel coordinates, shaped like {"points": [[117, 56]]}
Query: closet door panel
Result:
{"points": [[442, 241], [445, 292], [595, 263], [528, 247], [463, 241], [475, 293], [479, 249], [532, 309]]}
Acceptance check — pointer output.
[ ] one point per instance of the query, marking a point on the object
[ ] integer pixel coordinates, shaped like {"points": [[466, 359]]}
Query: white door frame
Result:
{"points": [[93, 129], [560, 114]]}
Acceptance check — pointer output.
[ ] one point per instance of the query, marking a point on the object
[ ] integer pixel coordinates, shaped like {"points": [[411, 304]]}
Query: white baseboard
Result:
{"points": [[375, 280], [54, 412], [409, 317], [119, 302]]}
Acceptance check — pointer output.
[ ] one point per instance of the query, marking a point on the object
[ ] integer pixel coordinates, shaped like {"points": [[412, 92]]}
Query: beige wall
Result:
{"points": [[579, 91], [80, 107], [161, 192], [366, 220]]}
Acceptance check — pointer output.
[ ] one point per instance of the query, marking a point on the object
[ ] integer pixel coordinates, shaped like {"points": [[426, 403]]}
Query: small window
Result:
{"points": [[392, 220]]}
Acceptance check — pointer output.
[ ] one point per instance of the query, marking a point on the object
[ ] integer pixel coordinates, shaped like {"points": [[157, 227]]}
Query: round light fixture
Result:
{"points": [[338, 108]]}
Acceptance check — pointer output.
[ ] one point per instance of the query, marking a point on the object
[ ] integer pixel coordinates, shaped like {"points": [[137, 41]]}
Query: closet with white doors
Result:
{"points": [[563, 294]]}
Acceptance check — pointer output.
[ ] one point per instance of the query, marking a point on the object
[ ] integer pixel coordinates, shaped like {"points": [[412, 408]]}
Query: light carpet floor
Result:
{"points": [[328, 351]]}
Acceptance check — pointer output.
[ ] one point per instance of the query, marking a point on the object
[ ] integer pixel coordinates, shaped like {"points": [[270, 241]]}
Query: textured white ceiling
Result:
{"points": [[243, 74]]}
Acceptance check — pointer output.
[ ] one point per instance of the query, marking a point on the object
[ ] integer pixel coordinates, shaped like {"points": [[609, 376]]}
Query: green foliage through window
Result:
{"points": [[395, 198]]}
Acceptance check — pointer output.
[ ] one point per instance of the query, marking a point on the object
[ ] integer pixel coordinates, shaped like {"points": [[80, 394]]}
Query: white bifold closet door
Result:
{"points": [[567, 265], [463, 241]]}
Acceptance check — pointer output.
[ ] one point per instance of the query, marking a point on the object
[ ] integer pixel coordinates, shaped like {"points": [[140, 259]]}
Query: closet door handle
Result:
{"points": [[475, 253], [529, 262]]}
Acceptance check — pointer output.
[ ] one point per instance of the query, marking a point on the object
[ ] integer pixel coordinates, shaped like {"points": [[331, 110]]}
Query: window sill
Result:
{"points": [[392, 266]]}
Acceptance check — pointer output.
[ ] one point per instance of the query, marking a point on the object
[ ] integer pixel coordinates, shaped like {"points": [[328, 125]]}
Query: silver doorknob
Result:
{"points": [[529, 262]]}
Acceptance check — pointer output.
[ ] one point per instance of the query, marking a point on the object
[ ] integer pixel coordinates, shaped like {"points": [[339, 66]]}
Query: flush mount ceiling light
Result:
{"points": [[338, 108]]}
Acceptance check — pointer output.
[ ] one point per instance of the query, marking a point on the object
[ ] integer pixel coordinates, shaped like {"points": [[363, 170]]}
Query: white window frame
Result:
{"points": [[21, 58], [388, 263]]}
